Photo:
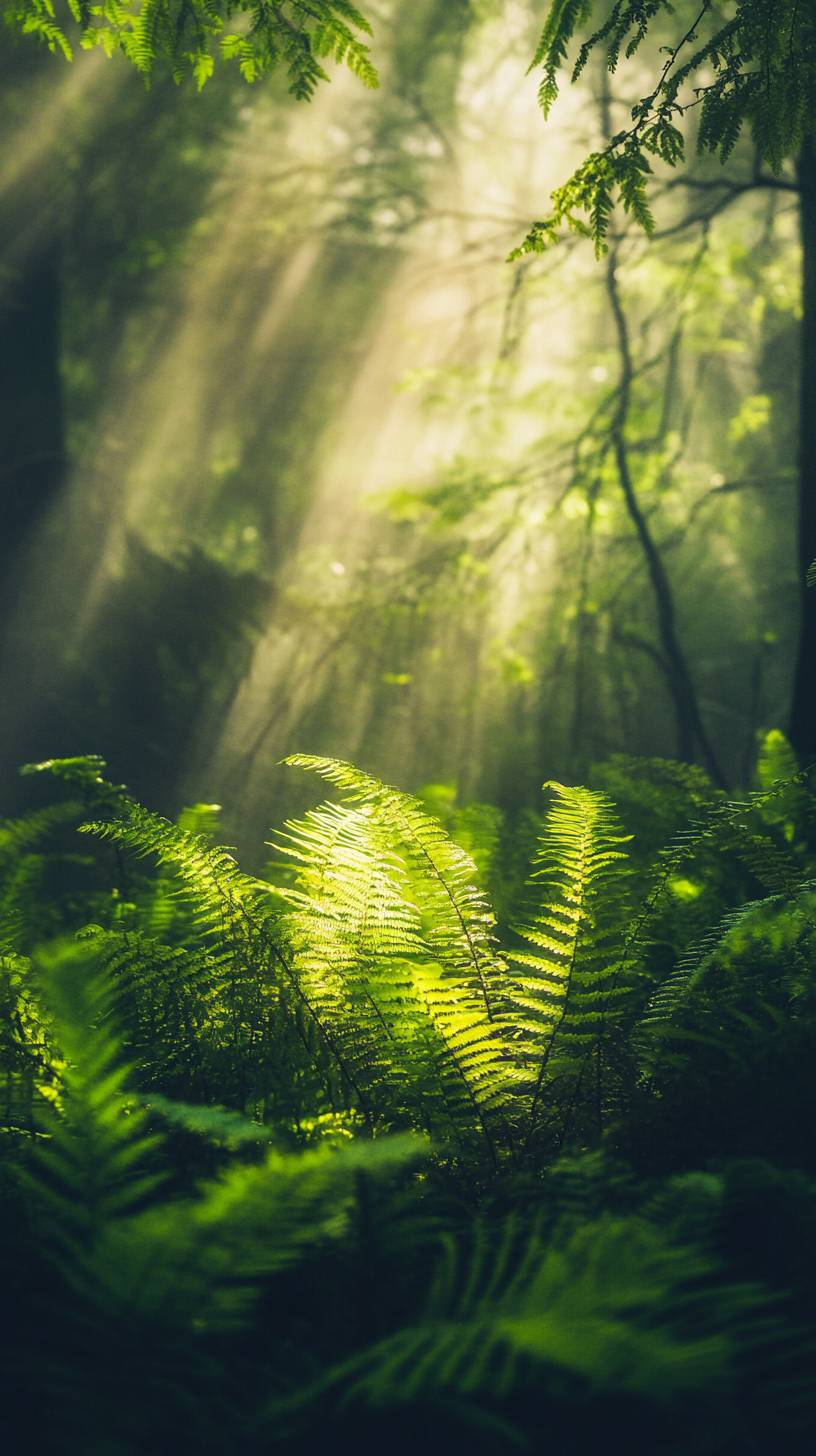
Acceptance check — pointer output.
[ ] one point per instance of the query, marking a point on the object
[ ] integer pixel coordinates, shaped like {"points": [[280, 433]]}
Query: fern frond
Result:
{"points": [[225, 897], [569, 985], [411, 1034], [564, 19], [776, 761], [218, 1124], [352, 931], [92, 1168], [171, 1271], [457, 919], [447, 981], [717, 825], [206, 1256], [508, 1310], [693, 964]]}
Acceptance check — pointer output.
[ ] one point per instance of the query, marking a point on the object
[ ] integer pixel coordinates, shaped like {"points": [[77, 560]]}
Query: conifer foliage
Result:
{"points": [[753, 67], [186, 37]]}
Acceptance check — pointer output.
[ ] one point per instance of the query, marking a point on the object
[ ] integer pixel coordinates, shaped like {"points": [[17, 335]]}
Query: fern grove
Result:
{"points": [[441, 1127], [334, 1144]]}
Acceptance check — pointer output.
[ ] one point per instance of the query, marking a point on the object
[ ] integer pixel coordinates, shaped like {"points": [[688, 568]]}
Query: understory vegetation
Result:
{"points": [[448, 1127]]}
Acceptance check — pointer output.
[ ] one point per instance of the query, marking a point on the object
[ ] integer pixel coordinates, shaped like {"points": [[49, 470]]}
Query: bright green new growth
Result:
{"points": [[395, 948], [374, 977], [568, 988], [395, 940]]}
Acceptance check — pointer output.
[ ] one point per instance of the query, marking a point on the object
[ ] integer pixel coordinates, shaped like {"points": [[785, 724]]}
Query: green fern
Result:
{"points": [[692, 965], [456, 974], [778, 774], [208, 1020], [353, 933], [225, 897], [172, 1272], [93, 1167], [568, 989], [509, 1310], [221, 1004], [458, 921]]}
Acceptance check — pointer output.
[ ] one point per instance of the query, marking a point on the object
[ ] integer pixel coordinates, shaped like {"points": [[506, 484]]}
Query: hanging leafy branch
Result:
{"points": [[185, 37], [755, 69]]}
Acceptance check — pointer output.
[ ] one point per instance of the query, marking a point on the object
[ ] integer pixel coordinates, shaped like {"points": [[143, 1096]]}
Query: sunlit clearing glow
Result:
{"points": [[49, 102], [324, 339], [439, 322]]}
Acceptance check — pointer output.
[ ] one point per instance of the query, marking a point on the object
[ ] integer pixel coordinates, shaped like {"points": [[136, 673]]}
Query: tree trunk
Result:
{"points": [[32, 447], [803, 711], [690, 729]]}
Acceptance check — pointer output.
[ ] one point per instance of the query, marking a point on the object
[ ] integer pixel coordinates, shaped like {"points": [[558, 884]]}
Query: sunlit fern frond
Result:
{"points": [[353, 932], [567, 987], [84, 771], [776, 760], [778, 774], [334, 37], [298, 41], [226, 899], [404, 1041], [457, 920], [430, 928]]}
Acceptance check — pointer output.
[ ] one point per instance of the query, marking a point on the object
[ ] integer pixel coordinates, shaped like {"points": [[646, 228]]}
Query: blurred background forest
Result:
{"points": [[291, 457]]}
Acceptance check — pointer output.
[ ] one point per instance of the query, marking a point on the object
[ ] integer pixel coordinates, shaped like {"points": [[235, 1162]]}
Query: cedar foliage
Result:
{"points": [[333, 1144]]}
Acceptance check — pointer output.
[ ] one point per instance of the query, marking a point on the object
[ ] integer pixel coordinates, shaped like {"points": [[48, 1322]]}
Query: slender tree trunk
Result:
{"points": [[585, 630], [32, 447], [803, 711], [690, 729], [691, 732]]}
